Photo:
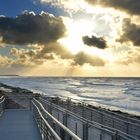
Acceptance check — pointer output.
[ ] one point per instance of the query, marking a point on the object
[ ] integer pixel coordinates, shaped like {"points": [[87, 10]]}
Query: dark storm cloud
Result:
{"points": [[131, 32], [30, 28], [95, 41], [82, 58], [129, 6]]}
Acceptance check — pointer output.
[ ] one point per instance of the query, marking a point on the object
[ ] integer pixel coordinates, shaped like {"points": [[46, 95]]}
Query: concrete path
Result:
{"points": [[16, 124]]}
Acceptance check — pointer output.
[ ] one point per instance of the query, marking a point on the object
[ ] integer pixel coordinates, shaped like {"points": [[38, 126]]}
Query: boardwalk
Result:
{"points": [[18, 125]]}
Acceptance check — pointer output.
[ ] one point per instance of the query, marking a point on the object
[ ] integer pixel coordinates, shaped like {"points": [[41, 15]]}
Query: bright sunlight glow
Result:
{"points": [[75, 31]]}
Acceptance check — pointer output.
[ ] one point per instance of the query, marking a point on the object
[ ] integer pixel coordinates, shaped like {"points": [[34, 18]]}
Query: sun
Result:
{"points": [[75, 31]]}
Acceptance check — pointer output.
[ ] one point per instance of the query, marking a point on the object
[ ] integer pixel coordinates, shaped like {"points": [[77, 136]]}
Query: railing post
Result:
{"points": [[65, 118], [116, 137], [85, 131], [100, 136], [83, 110], [50, 108], [113, 123], [127, 127], [102, 118], [63, 135], [58, 117], [69, 103], [91, 116], [76, 131], [30, 102]]}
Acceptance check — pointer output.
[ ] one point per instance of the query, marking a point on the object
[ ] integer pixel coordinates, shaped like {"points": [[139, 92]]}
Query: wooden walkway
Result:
{"points": [[16, 124]]}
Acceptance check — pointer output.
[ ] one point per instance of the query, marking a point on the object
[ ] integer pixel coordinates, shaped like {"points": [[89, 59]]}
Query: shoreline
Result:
{"points": [[8, 90]]}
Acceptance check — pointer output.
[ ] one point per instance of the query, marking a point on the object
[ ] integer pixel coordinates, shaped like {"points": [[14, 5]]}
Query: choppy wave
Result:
{"points": [[114, 93]]}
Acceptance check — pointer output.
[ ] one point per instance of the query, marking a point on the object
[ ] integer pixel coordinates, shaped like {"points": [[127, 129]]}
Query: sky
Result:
{"points": [[70, 38]]}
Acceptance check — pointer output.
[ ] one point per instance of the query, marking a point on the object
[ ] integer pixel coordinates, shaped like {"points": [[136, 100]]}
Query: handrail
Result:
{"points": [[1, 97], [95, 124], [51, 130], [92, 123], [57, 122], [2, 101]]}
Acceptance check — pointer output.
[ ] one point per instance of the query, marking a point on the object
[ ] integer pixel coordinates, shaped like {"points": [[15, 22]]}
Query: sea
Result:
{"points": [[112, 93]]}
